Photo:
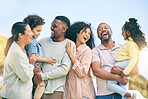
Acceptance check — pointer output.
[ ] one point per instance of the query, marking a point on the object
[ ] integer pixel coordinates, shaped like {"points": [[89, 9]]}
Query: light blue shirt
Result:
{"points": [[34, 48]]}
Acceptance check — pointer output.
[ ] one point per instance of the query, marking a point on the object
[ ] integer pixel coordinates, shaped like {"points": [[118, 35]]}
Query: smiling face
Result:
{"points": [[125, 34], [36, 31], [83, 36], [26, 38], [58, 29], [104, 32]]}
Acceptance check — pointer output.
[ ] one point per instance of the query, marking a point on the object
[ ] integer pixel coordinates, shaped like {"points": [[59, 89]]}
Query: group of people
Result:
{"points": [[59, 66]]}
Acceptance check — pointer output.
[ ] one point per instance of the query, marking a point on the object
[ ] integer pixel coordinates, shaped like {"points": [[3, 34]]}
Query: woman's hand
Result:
{"points": [[70, 49]]}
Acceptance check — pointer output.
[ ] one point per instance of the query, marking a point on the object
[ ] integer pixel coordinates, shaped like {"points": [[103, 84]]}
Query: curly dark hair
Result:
{"points": [[137, 35], [75, 29], [34, 20]]}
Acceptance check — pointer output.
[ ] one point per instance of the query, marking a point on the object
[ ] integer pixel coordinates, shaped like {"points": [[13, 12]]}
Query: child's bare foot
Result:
{"points": [[127, 95]]}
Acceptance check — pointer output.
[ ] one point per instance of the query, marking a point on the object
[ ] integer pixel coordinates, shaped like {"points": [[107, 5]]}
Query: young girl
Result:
{"points": [[79, 84], [34, 48], [128, 56]]}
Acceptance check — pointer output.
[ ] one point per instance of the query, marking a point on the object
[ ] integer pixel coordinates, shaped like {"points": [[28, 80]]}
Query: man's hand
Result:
{"points": [[116, 70], [36, 70], [37, 79]]}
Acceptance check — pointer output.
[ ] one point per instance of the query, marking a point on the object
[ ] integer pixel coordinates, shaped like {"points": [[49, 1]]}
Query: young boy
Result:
{"points": [[34, 48]]}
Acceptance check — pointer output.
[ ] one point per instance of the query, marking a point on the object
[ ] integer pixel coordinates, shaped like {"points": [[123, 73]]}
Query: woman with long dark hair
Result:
{"points": [[79, 84]]}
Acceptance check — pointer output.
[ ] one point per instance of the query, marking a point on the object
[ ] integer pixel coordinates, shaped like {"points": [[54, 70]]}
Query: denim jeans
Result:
{"points": [[113, 84], [84, 98], [111, 96], [4, 98]]}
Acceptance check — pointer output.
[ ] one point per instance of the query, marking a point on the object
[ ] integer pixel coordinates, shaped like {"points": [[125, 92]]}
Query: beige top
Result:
{"points": [[79, 82]]}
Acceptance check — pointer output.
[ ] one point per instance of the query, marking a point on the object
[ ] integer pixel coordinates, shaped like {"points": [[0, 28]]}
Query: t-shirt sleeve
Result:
{"points": [[32, 47], [95, 55]]}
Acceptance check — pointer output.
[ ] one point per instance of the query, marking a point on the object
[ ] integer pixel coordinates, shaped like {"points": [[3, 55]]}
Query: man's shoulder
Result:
{"points": [[97, 47], [118, 44], [68, 40], [44, 39]]}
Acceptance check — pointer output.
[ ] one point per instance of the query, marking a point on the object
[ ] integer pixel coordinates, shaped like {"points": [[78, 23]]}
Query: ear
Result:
{"points": [[20, 35], [111, 32], [128, 33], [64, 29]]}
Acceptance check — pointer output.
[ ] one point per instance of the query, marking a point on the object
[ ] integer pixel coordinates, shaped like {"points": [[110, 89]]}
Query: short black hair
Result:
{"points": [[34, 20], [64, 19]]}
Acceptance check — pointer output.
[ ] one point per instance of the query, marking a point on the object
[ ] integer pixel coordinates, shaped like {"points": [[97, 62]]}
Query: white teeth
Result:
{"points": [[104, 34]]}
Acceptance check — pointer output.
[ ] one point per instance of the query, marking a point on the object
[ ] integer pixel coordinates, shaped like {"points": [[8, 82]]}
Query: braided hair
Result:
{"points": [[136, 34]]}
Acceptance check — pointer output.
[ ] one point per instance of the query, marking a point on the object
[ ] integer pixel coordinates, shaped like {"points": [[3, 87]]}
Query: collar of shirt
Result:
{"points": [[82, 46], [116, 46], [130, 39]]}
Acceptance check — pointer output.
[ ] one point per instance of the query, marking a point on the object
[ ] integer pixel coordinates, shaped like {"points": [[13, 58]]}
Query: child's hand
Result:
{"points": [[50, 60], [69, 49], [123, 80], [122, 74], [32, 59], [116, 70]]}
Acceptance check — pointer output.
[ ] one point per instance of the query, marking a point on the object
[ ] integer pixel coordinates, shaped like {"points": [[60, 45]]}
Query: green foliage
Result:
{"points": [[0, 91], [139, 83], [3, 41]]}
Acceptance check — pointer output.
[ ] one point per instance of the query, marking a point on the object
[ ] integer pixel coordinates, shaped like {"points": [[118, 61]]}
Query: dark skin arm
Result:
{"points": [[37, 76], [117, 70], [103, 74]]}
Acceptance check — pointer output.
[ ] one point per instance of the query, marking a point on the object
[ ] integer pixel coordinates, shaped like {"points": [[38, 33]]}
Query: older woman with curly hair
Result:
{"points": [[79, 84]]}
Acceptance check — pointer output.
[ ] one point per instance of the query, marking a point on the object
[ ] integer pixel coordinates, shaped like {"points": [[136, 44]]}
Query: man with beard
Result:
{"points": [[102, 62], [54, 74]]}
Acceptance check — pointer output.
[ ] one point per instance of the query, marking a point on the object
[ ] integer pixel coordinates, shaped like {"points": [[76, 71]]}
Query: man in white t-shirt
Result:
{"points": [[54, 74], [102, 62]]}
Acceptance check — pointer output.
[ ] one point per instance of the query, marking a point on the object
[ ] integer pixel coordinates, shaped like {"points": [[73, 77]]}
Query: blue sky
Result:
{"points": [[113, 12]]}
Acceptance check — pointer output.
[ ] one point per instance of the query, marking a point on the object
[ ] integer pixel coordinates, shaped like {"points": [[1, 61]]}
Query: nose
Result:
{"points": [[122, 33], [51, 27], [87, 34], [39, 33], [31, 33], [103, 29]]}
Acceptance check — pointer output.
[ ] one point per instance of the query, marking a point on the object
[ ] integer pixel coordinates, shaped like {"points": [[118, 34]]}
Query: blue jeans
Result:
{"points": [[111, 96], [84, 98], [113, 84], [4, 98]]}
